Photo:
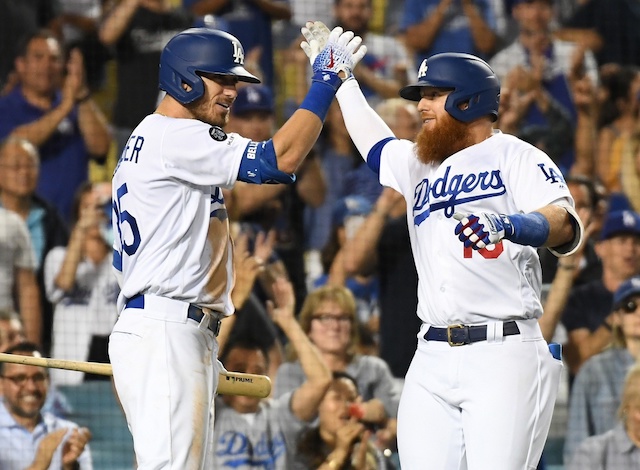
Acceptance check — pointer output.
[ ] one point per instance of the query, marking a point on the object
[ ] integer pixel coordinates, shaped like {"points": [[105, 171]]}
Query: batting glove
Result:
{"points": [[334, 51], [316, 34], [479, 230]]}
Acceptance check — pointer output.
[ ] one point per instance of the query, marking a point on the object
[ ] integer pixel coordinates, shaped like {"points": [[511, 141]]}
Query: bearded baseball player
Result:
{"points": [[173, 255], [481, 388]]}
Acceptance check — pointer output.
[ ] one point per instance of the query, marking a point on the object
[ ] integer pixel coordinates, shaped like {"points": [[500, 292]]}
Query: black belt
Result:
{"points": [[458, 335], [194, 313]]}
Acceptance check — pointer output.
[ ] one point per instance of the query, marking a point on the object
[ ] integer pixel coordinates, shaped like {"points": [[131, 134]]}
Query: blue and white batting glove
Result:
{"points": [[331, 52], [479, 230]]}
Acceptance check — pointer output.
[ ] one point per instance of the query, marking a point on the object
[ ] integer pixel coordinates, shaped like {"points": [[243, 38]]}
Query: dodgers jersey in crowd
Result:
{"points": [[177, 179], [501, 175]]}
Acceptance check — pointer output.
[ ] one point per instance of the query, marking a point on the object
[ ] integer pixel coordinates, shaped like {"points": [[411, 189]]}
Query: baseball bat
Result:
{"points": [[229, 383]]}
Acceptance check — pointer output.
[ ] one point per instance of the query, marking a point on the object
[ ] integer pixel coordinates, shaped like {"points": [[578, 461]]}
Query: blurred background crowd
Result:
{"points": [[76, 76]]}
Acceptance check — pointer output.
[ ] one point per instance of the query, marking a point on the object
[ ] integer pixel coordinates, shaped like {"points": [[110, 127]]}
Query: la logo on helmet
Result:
{"points": [[238, 53], [422, 71]]}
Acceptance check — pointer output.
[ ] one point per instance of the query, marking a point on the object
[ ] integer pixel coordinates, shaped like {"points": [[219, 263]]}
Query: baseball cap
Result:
{"points": [[620, 222], [627, 289], [252, 98], [350, 206]]}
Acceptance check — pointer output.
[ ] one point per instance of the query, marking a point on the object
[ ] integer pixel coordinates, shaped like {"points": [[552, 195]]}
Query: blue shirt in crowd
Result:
{"points": [[18, 446]]}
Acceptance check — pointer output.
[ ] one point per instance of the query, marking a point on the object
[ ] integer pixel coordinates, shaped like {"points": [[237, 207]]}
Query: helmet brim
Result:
{"points": [[243, 75], [414, 92], [411, 92]]}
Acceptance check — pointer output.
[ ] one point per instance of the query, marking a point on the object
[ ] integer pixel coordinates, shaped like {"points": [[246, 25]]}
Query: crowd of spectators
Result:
{"points": [[325, 284]]}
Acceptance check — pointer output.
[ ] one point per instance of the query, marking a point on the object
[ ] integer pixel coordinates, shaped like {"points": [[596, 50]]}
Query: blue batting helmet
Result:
{"points": [[201, 50], [471, 79]]}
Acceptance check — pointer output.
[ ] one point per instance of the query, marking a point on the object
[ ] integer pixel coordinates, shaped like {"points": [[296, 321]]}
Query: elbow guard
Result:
{"points": [[259, 165]]}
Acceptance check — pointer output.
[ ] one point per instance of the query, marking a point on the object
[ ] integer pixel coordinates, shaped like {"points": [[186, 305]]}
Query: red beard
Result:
{"points": [[433, 146]]}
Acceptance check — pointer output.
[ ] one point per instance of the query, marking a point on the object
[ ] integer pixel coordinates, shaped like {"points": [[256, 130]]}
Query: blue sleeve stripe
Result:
{"points": [[117, 260], [373, 158]]}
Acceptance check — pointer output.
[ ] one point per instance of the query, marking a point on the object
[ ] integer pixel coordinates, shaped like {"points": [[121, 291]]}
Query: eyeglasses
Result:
{"points": [[21, 380], [326, 319], [23, 166], [629, 306]]}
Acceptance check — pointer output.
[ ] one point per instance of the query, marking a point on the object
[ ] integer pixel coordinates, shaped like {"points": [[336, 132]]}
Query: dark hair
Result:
{"points": [[243, 343], [24, 347], [590, 186], [310, 445], [339, 375], [23, 44], [617, 83]]}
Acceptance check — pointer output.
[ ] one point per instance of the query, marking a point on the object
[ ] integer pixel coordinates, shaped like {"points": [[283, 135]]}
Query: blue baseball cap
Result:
{"points": [[620, 222], [628, 288], [350, 206], [253, 98]]}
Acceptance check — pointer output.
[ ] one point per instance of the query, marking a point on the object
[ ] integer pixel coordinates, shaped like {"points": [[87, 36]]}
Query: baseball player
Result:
{"points": [[172, 253], [481, 387]]}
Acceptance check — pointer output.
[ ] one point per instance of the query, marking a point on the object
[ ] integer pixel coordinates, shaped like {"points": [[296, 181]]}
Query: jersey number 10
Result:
{"points": [[498, 248]]}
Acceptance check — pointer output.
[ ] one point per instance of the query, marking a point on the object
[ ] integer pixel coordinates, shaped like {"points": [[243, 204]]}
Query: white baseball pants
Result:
{"points": [[166, 373], [486, 405]]}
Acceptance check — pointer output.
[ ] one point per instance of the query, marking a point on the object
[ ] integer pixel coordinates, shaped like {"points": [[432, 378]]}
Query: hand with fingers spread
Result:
{"points": [[247, 268], [281, 308], [335, 52], [263, 247], [316, 34]]}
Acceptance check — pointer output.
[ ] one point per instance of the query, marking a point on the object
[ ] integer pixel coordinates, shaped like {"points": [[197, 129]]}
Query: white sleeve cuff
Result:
{"points": [[365, 127], [571, 247]]}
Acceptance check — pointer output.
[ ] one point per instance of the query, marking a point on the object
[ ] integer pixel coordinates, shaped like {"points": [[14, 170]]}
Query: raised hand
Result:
{"points": [[316, 34], [348, 434], [74, 446], [247, 268], [479, 230], [263, 245], [338, 51], [74, 86], [281, 309], [46, 448]]}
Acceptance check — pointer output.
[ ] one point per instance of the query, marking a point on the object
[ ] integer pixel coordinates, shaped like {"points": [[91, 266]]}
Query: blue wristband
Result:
{"points": [[321, 93], [529, 229]]}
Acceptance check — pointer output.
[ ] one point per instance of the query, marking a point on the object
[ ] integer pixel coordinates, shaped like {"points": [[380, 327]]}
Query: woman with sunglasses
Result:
{"points": [[597, 389]]}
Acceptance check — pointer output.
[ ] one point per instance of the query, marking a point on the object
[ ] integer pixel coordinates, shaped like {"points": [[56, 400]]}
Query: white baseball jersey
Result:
{"points": [[170, 222], [502, 175]]}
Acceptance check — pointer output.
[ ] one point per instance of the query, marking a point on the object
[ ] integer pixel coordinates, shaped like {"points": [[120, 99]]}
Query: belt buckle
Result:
{"points": [[216, 327], [458, 326]]}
